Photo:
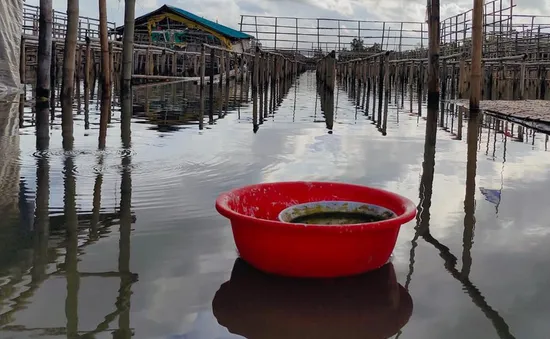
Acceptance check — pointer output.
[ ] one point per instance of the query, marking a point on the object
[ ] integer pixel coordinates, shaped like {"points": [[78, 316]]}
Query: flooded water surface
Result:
{"points": [[126, 241]]}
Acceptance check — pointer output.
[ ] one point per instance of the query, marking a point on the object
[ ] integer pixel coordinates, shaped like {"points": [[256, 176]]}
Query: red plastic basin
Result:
{"points": [[299, 250]]}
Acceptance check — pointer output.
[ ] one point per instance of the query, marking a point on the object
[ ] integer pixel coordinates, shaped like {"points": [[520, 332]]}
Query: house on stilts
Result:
{"points": [[178, 29], [174, 27]]}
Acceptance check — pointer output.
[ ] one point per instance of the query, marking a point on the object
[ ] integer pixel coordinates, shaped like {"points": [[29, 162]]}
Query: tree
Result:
{"points": [[357, 45]]}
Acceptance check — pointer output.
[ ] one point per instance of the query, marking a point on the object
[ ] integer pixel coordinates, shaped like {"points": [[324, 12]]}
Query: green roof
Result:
{"points": [[224, 30], [221, 29]]}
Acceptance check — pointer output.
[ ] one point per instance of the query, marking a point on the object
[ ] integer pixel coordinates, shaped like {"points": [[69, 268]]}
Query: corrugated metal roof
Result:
{"points": [[224, 30]]}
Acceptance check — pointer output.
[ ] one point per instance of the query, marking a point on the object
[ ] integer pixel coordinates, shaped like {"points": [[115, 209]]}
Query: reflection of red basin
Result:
{"points": [[261, 306], [311, 250]]}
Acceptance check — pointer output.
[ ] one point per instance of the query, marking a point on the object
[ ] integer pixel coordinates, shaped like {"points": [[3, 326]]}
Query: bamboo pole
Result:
{"points": [[106, 75], [477, 54]]}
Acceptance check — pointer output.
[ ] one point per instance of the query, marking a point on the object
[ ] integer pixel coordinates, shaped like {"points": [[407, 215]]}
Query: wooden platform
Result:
{"points": [[532, 113]]}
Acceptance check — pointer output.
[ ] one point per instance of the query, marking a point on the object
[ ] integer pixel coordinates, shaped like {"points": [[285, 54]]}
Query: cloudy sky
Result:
{"points": [[228, 11]]}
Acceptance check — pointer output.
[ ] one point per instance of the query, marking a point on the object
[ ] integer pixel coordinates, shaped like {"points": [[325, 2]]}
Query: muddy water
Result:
{"points": [[124, 241]]}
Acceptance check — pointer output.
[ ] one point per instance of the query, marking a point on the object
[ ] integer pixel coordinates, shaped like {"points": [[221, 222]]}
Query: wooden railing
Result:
{"points": [[87, 27]]}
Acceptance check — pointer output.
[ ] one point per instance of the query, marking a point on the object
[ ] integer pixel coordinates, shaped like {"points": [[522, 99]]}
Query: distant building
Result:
{"points": [[176, 28]]}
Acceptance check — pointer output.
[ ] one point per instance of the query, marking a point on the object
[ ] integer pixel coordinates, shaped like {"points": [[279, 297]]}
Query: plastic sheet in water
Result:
{"points": [[10, 40]]}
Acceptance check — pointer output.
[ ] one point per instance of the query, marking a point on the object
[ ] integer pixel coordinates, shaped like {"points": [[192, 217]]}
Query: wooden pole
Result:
{"points": [[201, 90], [236, 68], [87, 64], [221, 69], [227, 80], [387, 92], [433, 55], [255, 90], [106, 74], [127, 60], [78, 71], [53, 76], [380, 63], [265, 83], [43, 81], [22, 78], [211, 97], [522, 82], [22, 64], [477, 42], [111, 71], [261, 73]]}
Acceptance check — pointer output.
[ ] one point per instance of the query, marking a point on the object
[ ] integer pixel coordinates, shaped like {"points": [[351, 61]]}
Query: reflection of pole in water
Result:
{"points": [[336, 105], [41, 217], [295, 97], [22, 109], [469, 200], [71, 261], [425, 189], [367, 95], [422, 230], [96, 204], [329, 110], [126, 278], [86, 117], [500, 325], [42, 121], [504, 148], [496, 124], [316, 100]]}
